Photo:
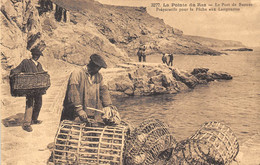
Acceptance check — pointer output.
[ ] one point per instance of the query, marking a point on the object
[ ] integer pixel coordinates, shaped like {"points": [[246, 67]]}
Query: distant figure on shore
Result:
{"points": [[141, 54], [144, 55], [164, 58], [86, 91], [33, 102], [170, 59]]}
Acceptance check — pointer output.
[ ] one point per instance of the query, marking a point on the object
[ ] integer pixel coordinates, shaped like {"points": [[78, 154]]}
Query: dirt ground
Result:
{"points": [[19, 147]]}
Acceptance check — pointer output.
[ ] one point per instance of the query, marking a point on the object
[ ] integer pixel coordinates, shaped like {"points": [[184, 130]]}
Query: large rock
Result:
{"points": [[151, 79], [203, 74], [199, 76], [188, 79], [221, 76], [124, 84], [13, 42], [21, 30], [146, 79]]}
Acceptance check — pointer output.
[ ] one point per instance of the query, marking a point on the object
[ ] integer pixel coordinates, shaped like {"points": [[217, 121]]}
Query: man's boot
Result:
{"points": [[27, 127]]}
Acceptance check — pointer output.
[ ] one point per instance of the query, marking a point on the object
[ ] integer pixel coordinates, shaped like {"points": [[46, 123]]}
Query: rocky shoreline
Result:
{"points": [[239, 49], [144, 79]]}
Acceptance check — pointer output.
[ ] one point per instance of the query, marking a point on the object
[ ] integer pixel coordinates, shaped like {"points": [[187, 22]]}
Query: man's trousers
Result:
{"points": [[32, 109]]}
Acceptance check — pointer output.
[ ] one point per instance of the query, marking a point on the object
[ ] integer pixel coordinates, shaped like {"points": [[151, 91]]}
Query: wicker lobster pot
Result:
{"points": [[76, 143], [213, 143], [149, 142], [29, 83]]}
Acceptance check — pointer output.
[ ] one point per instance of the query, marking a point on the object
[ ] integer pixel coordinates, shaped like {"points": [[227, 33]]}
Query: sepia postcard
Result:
{"points": [[130, 82]]}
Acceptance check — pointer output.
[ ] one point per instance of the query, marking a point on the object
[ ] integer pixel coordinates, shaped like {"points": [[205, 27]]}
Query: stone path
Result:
{"points": [[21, 147]]}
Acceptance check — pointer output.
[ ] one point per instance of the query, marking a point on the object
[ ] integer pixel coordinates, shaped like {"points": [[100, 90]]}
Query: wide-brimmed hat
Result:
{"points": [[36, 51], [98, 60]]}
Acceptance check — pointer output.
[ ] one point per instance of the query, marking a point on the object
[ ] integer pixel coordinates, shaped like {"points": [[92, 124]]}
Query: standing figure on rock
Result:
{"points": [[164, 58], [141, 54], [170, 59], [86, 90], [34, 101], [144, 55]]}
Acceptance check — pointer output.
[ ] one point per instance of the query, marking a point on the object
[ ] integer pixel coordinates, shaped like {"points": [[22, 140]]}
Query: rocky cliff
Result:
{"points": [[20, 31], [72, 30], [129, 27], [23, 28]]}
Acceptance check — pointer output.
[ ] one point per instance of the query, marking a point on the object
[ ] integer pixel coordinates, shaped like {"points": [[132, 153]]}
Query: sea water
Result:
{"points": [[235, 102]]}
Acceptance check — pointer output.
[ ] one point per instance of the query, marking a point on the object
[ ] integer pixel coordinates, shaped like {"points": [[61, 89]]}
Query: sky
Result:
{"points": [[242, 25]]}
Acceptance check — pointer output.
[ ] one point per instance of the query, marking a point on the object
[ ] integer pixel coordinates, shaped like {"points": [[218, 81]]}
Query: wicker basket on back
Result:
{"points": [[76, 143], [29, 83], [149, 142], [213, 143]]}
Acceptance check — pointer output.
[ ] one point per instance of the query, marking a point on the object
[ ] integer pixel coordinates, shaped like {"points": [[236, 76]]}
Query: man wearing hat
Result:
{"points": [[85, 91], [33, 102], [141, 54], [170, 59]]}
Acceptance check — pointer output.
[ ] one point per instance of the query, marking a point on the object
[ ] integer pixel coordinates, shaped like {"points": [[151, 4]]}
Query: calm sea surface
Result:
{"points": [[235, 102]]}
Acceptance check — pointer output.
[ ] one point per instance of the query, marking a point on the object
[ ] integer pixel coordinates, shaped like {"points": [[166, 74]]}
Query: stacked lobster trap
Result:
{"points": [[77, 143], [149, 143], [214, 143]]}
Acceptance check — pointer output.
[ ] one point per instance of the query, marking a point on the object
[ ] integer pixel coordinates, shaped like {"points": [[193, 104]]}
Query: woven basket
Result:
{"points": [[76, 143], [149, 142], [213, 143], [29, 83]]}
